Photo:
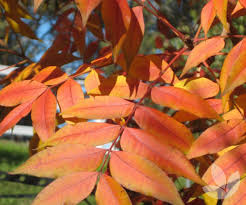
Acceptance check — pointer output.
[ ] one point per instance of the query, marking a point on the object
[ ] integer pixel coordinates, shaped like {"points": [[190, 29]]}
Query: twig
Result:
{"points": [[15, 53]]}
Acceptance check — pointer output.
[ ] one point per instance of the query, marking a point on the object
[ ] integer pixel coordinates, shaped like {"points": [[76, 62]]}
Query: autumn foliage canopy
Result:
{"points": [[167, 115]]}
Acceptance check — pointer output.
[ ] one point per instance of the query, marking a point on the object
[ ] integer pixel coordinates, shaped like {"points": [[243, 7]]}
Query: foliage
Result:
{"points": [[153, 106]]}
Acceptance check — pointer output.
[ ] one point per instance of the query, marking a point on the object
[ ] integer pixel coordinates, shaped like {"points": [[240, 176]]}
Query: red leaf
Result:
{"points": [[143, 176], [166, 157], [100, 107], [69, 94], [110, 192], [85, 133], [21, 92], [168, 130], [70, 189], [134, 35], [116, 16], [86, 7], [62, 160], [218, 137], [180, 99], [14, 116], [44, 114]]}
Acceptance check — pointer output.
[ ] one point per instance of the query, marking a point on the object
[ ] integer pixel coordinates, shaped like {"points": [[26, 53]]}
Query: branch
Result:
{"points": [[25, 179]]}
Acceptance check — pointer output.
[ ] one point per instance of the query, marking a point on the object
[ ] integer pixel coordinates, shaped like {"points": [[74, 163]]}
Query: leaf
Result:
{"points": [[200, 86], [183, 116], [116, 16], [148, 68], [21, 92], [233, 72], [110, 192], [15, 116], [221, 11], [62, 160], [168, 130], [134, 34], [231, 162], [86, 7], [218, 137], [44, 115], [85, 133], [238, 196], [207, 16], [120, 86], [143, 176], [243, 3], [166, 157], [180, 99], [50, 75], [203, 51], [37, 3], [100, 107], [69, 94], [70, 189], [19, 26]]}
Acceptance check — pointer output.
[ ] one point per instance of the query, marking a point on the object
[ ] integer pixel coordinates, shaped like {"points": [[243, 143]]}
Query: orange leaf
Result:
{"points": [[50, 75], [86, 7], [70, 189], [143, 176], [21, 92], [233, 72], [203, 51], [168, 130], [243, 3], [180, 99], [166, 157], [85, 133], [238, 197], [183, 116], [231, 162], [69, 94], [148, 68], [134, 35], [116, 16], [218, 137], [221, 11], [110, 192], [44, 115], [207, 16], [62, 160], [100, 107], [37, 3], [119, 86], [200, 86], [14, 116]]}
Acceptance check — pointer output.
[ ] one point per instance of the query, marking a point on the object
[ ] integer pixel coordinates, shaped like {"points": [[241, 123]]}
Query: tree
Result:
{"points": [[174, 113]]}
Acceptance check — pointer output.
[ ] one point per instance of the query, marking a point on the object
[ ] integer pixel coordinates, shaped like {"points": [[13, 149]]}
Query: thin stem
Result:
{"points": [[19, 63], [15, 53], [210, 70], [197, 33]]}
